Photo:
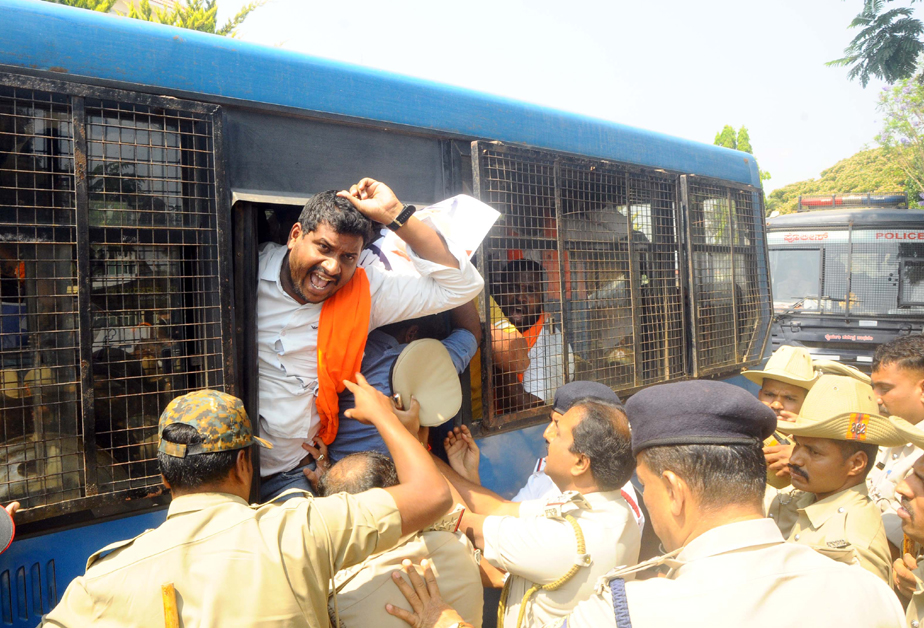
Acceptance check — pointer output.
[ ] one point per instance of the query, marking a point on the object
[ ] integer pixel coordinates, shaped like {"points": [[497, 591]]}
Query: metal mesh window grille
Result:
{"points": [[729, 277], [885, 278], [584, 267], [118, 269]]}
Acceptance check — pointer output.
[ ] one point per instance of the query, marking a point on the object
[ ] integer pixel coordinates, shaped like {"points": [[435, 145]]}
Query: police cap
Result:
{"points": [[697, 413]]}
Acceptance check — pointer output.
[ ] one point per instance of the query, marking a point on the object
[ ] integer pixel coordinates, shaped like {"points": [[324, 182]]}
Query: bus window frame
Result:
{"points": [[93, 504]]}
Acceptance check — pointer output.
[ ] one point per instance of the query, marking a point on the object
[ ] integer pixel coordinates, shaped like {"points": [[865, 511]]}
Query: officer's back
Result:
{"points": [[235, 564]]}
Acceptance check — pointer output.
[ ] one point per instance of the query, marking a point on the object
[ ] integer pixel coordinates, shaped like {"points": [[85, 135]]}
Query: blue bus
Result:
{"points": [[141, 167]]}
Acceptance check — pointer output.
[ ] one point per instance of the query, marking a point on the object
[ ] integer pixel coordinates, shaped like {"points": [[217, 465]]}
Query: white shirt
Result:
{"points": [[745, 574], [892, 465], [546, 372], [540, 486], [287, 339], [534, 549]]}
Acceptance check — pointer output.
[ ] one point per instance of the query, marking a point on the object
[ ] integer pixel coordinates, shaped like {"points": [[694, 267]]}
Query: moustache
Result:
{"points": [[797, 470], [320, 269], [906, 504]]}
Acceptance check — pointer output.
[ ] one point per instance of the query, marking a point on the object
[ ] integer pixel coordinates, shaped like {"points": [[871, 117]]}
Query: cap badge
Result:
{"points": [[857, 428]]}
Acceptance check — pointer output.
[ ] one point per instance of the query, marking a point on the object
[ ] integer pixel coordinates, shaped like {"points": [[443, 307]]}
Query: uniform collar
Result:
{"points": [[200, 501], [603, 497], [732, 537], [819, 512]]}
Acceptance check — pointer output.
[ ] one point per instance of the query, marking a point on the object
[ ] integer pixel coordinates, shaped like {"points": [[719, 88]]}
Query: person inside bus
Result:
{"points": [[315, 308], [837, 435], [534, 541], [382, 350], [363, 590], [519, 293], [784, 382], [898, 381], [697, 445], [231, 563]]}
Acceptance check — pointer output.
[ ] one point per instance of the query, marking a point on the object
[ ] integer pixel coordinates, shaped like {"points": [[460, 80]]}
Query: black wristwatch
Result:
{"points": [[402, 218]]}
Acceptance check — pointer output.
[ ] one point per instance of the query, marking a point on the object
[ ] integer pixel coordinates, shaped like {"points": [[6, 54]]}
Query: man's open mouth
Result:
{"points": [[319, 281]]}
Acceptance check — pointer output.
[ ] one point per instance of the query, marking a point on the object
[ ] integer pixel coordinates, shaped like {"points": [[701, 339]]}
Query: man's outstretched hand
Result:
{"points": [[463, 453], [428, 610]]}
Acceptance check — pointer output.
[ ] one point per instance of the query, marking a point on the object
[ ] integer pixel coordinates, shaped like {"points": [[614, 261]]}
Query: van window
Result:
{"points": [[796, 277]]}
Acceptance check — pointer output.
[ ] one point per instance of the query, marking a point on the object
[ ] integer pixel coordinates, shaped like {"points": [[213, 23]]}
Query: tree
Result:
{"points": [[902, 135], [888, 46], [103, 6], [740, 141], [197, 15], [726, 137], [867, 171]]}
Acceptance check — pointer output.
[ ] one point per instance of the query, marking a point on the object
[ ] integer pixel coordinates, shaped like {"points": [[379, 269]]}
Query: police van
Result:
{"points": [[847, 274]]}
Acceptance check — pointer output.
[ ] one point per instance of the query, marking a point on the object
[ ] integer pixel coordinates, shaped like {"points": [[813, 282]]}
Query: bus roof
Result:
{"points": [[87, 46], [826, 219]]}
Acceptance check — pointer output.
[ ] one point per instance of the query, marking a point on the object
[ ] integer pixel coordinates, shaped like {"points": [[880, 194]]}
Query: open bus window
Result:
{"points": [[150, 326], [796, 277]]}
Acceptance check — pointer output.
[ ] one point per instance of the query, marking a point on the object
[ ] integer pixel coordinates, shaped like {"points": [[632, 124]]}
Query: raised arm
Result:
{"points": [[422, 494], [477, 498], [376, 201], [466, 317]]}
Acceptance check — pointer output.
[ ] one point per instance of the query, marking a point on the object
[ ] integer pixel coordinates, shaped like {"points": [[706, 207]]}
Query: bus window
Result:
{"points": [[585, 264], [142, 245], [731, 297], [796, 277]]}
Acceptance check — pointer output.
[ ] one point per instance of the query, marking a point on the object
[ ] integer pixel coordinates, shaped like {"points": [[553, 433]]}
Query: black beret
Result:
{"points": [[567, 395], [697, 413]]}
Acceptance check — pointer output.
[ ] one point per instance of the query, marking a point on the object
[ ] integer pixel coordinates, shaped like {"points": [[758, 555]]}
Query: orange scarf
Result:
{"points": [[342, 333], [532, 336]]}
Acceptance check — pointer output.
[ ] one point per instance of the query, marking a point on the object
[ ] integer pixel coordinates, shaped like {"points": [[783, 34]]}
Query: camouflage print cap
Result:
{"points": [[219, 418]]}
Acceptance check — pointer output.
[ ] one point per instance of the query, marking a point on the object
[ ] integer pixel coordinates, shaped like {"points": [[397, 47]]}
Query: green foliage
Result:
{"points": [[867, 171], [902, 135], [103, 6], [740, 141], [197, 15], [744, 140], [726, 137], [888, 45]]}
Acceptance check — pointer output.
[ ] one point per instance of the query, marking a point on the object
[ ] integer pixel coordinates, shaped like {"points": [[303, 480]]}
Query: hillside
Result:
{"points": [[867, 171]]}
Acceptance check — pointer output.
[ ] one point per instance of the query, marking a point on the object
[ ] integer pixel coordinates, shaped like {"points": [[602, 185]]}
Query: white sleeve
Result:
{"points": [[401, 296]]}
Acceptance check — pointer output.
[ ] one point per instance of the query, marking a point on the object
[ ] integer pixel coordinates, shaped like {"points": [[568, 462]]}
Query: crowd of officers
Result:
{"points": [[804, 504]]}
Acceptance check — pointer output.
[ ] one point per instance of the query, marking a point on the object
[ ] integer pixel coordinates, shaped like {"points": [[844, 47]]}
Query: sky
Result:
{"points": [[681, 67]]}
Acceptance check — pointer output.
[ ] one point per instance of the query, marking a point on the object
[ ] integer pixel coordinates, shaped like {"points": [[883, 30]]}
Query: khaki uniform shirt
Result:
{"points": [[915, 612], [232, 564], [844, 526], [744, 574], [892, 465], [535, 549], [365, 589]]}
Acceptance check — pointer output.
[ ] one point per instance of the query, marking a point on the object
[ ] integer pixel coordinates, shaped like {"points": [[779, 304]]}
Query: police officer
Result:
{"points": [[227, 562], [837, 439], [362, 591], [556, 548], [697, 445], [784, 382], [898, 381], [909, 570]]}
